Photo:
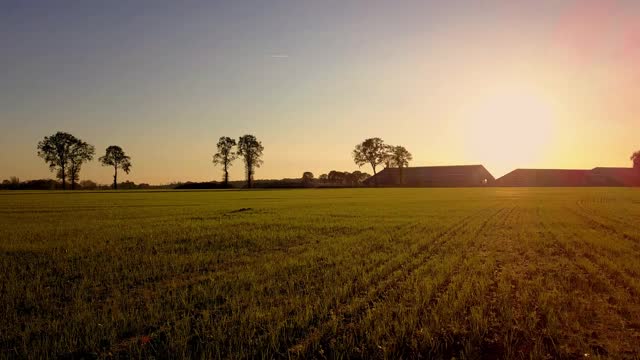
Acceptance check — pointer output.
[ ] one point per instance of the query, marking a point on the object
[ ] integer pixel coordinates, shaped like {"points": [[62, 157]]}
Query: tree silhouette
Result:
{"points": [[225, 156], [58, 150], [400, 158], [371, 151], [387, 158], [88, 185], [79, 153], [115, 156], [336, 177], [635, 157], [307, 178], [359, 177], [251, 151]]}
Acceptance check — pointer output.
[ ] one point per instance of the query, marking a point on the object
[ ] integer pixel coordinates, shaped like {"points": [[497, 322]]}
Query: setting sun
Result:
{"points": [[368, 179], [519, 121]]}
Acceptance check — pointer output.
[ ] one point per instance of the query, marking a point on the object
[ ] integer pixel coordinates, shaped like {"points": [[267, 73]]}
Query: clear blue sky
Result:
{"points": [[453, 81]]}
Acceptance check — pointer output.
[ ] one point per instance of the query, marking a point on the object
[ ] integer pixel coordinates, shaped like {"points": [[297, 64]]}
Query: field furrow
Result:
{"points": [[346, 273]]}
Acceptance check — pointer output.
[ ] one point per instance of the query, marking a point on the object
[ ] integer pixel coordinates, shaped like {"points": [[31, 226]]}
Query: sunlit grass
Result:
{"points": [[465, 273]]}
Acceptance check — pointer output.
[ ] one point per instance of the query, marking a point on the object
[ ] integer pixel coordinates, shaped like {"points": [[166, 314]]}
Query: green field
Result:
{"points": [[360, 273]]}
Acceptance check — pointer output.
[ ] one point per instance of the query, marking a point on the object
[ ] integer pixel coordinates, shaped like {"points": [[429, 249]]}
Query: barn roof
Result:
{"points": [[448, 175], [615, 176], [545, 177]]}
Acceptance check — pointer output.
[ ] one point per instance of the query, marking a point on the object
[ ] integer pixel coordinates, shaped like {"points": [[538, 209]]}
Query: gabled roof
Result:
{"points": [[545, 177], [449, 175]]}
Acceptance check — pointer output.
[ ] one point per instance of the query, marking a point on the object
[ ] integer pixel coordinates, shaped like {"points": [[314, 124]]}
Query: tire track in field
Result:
{"points": [[603, 274], [572, 251], [523, 342], [490, 345], [597, 224], [148, 290], [194, 278], [593, 212], [379, 291], [596, 254], [389, 277], [367, 296], [505, 337], [204, 274], [452, 347]]}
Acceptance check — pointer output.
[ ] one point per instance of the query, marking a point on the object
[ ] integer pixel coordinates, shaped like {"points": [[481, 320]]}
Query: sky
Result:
{"points": [[504, 83]]}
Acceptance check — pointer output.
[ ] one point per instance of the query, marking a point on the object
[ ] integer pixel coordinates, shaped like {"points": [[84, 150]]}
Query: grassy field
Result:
{"points": [[359, 273]]}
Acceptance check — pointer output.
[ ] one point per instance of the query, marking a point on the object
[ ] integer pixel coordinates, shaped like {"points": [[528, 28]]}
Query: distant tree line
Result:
{"points": [[65, 154], [13, 183], [343, 178]]}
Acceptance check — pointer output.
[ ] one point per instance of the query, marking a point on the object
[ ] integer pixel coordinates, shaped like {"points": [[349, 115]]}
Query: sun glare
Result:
{"points": [[510, 127]]}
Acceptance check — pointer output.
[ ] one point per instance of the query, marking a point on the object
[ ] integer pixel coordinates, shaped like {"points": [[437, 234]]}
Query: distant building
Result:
{"points": [[434, 176], [606, 176], [599, 176], [545, 177]]}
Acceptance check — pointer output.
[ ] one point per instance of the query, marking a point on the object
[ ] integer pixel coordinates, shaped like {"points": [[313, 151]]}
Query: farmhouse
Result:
{"points": [[433, 176]]}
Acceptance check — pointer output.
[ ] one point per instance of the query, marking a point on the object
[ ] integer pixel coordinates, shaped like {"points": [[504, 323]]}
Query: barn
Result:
{"points": [[612, 176], [600, 176], [545, 177], [433, 176]]}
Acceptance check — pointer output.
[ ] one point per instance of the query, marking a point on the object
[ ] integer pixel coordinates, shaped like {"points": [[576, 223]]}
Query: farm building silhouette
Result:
{"points": [[608, 176], [477, 176], [434, 176], [600, 176], [545, 177]]}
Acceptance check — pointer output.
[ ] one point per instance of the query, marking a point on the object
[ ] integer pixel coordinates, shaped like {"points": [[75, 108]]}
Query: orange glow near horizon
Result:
{"points": [[510, 125], [505, 84]]}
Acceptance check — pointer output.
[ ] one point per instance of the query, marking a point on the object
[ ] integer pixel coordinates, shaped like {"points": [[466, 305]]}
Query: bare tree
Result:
{"points": [[115, 156], [251, 151], [225, 156], [371, 151]]}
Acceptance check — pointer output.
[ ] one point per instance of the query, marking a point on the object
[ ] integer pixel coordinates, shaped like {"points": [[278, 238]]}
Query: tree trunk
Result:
{"points": [[226, 174], [115, 178], [375, 179], [64, 178], [72, 172]]}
